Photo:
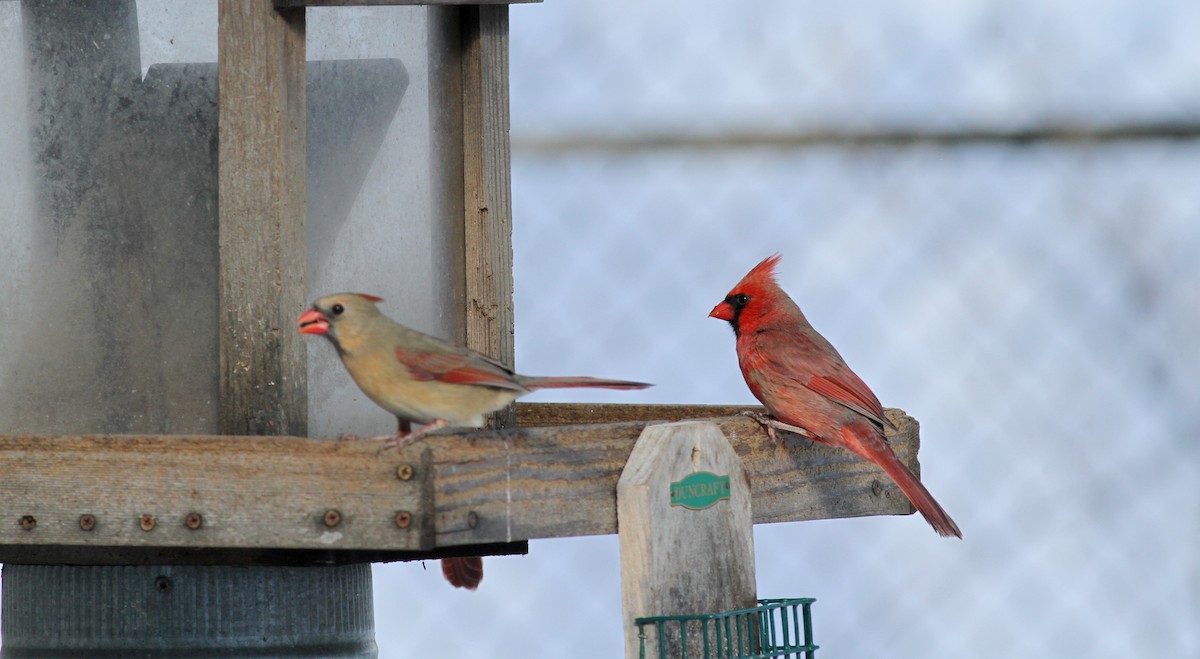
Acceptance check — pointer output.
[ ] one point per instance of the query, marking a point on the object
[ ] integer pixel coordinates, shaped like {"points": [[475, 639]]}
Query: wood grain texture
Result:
{"points": [[261, 202], [560, 481], [674, 560], [269, 492], [535, 415], [483, 487], [487, 217]]}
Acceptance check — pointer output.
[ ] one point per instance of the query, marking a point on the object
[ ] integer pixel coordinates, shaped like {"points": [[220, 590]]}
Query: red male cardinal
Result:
{"points": [[423, 379], [803, 381]]}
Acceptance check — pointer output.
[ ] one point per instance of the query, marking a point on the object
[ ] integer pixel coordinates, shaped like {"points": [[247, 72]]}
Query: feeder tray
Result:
{"points": [[772, 629]]}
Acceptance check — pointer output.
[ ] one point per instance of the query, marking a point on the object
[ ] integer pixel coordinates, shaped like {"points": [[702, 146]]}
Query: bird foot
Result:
{"points": [[401, 438], [345, 437], [771, 424]]}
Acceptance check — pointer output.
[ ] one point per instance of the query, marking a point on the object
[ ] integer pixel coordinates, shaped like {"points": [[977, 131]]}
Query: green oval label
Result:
{"points": [[699, 490]]}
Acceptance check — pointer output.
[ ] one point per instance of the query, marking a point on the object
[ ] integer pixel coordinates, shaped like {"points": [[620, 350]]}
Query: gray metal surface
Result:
{"points": [[174, 611]]}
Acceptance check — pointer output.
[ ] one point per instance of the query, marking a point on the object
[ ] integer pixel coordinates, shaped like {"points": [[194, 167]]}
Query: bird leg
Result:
{"points": [[405, 435], [771, 423]]}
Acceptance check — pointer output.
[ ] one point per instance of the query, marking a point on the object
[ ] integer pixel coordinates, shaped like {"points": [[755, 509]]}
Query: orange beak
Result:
{"points": [[313, 322], [723, 311]]}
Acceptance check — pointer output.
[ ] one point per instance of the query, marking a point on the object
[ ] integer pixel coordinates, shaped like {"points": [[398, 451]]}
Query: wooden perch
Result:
{"points": [[163, 498]]}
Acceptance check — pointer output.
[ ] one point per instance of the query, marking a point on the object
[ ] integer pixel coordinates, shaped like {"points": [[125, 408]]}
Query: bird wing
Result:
{"points": [[807, 359], [848, 390], [460, 366]]}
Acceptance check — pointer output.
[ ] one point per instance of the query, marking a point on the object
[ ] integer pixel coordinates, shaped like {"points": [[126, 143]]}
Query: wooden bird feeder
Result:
{"points": [[254, 490]]}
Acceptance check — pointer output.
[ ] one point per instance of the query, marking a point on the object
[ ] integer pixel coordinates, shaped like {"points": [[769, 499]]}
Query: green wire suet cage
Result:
{"points": [[774, 628]]}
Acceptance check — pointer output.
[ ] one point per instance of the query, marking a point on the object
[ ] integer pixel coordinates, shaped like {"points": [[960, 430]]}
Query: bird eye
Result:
{"points": [[337, 309], [741, 299]]}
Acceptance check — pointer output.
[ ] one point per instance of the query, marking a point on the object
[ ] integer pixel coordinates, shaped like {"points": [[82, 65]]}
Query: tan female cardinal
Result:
{"points": [[423, 379], [803, 381]]}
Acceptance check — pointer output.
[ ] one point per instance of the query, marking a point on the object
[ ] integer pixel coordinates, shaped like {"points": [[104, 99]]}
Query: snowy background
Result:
{"points": [[991, 208]]}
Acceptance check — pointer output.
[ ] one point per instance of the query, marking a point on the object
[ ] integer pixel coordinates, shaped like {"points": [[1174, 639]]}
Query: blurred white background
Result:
{"points": [[990, 208]]}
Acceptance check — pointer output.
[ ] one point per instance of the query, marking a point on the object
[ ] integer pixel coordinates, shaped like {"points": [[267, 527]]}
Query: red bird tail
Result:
{"points": [[881, 454], [569, 382], [465, 572]]}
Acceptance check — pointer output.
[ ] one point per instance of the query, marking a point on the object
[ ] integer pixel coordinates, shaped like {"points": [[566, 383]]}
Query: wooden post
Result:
{"points": [[686, 554], [487, 217], [468, 64], [261, 203]]}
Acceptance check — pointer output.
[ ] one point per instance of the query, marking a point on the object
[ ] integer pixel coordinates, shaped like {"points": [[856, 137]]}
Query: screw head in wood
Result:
{"points": [[162, 584], [472, 519], [404, 472], [147, 522], [876, 488], [403, 519], [28, 522], [87, 522], [332, 518], [193, 521]]}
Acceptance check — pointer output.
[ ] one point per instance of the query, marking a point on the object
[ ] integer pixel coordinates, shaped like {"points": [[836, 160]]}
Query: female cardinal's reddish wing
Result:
{"points": [[469, 375], [457, 368]]}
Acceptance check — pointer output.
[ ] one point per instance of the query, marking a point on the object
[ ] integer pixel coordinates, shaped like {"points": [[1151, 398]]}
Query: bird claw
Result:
{"points": [[346, 437], [764, 420], [396, 441], [401, 438], [770, 423]]}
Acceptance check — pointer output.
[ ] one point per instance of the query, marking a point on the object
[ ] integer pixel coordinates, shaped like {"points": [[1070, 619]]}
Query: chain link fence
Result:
{"points": [[990, 208]]}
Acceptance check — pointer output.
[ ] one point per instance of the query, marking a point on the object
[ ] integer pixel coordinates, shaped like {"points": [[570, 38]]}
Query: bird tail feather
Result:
{"points": [[463, 572], [912, 488], [571, 382]]}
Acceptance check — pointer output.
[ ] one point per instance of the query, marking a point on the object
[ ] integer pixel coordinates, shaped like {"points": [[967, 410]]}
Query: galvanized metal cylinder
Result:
{"points": [[174, 611]]}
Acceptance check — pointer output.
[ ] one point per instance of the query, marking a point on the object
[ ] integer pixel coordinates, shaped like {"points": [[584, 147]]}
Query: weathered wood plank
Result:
{"points": [[560, 482], [536, 415], [676, 560], [247, 492], [487, 217], [261, 202], [492, 486]]}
